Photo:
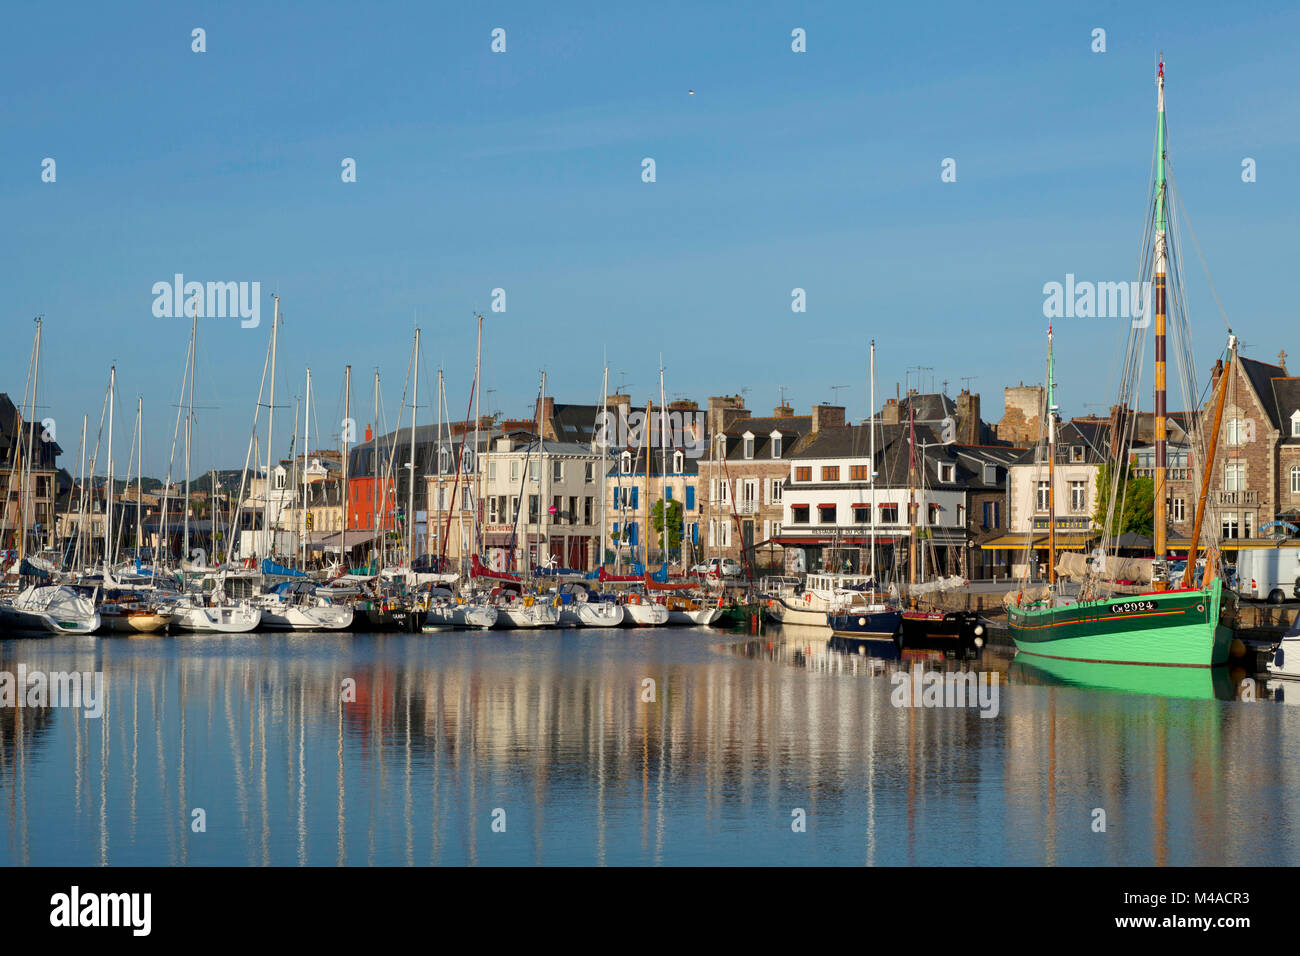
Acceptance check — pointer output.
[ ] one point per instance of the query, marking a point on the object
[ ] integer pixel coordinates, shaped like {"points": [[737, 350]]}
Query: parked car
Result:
{"points": [[724, 567]]}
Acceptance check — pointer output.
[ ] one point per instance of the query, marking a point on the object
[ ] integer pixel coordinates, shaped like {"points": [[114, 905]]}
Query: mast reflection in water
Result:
{"points": [[552, 729]]}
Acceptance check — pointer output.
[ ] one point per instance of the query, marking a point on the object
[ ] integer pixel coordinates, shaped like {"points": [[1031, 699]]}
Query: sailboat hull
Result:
{"points": [[782, 612], [1183, 628]]}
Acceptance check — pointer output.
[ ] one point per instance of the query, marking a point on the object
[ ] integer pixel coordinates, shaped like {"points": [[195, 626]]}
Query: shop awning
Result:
{"points": [[1014, 541]]}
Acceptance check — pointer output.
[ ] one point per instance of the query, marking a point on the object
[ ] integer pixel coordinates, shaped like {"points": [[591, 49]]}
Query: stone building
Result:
{"points": [[748, 465], [1023, 415], [37, 481]]}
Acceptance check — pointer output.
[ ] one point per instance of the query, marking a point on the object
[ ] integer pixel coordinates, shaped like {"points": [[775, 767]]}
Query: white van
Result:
{"points": [[1269, 574]]}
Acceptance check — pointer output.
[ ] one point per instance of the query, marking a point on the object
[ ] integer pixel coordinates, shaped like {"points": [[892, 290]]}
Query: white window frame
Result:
{"points": [[777, 440], [1078, 496], [1295, 479], [776, 491], [748, 445], [1234, 476], [679, 462]]}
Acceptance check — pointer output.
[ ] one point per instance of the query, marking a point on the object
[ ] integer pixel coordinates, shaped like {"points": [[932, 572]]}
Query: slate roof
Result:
{"points": [[792, 431], [1093, 436], [1261, 375], [1286, 398], [575, 423]]}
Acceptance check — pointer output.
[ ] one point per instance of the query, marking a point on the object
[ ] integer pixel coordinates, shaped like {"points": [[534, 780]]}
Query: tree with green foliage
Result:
{"points": [[1136, 495], [674, 524]]}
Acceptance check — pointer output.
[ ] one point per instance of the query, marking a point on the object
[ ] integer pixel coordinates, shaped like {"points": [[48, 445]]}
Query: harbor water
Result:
{"points": [[653, 746]]}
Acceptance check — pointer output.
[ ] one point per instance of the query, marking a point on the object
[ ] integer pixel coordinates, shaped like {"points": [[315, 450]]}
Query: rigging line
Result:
{"points": [[394, 439], [237, 503], [171, 461], [1178, 196]]}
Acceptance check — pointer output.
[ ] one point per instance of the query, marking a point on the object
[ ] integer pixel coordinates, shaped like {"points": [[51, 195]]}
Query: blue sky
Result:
{"points": [[522, 170]]}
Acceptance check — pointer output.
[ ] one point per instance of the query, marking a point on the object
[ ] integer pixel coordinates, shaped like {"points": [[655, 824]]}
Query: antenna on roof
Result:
{"points": [[783, 389], [835, 390], [967, 379]]}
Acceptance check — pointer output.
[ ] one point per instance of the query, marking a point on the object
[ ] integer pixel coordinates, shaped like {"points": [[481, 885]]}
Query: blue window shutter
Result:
{"points": [[635, 496], [690, 497], [695, 533], [632, 533], [668, 493], [616, 497]]}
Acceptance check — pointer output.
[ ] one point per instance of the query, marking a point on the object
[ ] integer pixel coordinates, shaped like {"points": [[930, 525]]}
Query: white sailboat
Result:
{"points": [[191, 612], [55, 609]]}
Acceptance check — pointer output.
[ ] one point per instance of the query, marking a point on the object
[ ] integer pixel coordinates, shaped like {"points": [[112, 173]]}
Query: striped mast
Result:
{"points": [[1051, 462], [1160, 580]]}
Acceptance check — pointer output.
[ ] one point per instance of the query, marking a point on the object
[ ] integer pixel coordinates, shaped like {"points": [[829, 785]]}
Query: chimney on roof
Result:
{"points": [[968, 418], [892, 413], [724, 410], [827, 416], [545, 410], [1281, 359], [783, 411], [683, 405]]}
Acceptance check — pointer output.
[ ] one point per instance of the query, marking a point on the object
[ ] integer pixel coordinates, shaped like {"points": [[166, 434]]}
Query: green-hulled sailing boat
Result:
{"points": [[1173, 624]]}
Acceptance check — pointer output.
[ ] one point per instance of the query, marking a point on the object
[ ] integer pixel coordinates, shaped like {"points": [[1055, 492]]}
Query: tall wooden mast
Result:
{"points": [[1051, 462], [1160, 578]]}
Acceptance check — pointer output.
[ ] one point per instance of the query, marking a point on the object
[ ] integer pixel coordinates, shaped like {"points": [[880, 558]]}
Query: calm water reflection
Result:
{"points": [[552, 729]]}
